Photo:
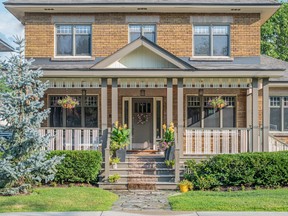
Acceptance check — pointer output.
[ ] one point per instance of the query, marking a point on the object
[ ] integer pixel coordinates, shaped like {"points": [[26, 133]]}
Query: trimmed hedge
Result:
{"points": [[78, 166], [248, 169]]}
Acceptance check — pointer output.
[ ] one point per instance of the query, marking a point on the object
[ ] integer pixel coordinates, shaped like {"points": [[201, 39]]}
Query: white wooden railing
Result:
{"points": [[276, 144], [72, 138], [217, 141]]}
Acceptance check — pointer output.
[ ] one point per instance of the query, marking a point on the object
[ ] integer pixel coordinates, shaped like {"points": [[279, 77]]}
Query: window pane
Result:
{"points": [[220, 45], [149, 32], [91, 117], [158, 119], [86, 30], [212, 118], [64, 29], [83, 45], [201, 45], [56, 117], [126, 113], [229, 117], [220, 30], [275, 102], [201, 30], [135, 32], [73, 117], [275, 119], [193, 116], [64, 45]]}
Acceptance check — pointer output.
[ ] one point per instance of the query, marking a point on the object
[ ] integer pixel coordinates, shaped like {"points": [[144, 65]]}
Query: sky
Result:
{"points": [[9, 26]]}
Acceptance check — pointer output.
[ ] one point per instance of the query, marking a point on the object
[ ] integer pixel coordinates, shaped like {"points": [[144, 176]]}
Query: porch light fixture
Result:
{"points": [[142, 92], [84, 92], [201, 92]]}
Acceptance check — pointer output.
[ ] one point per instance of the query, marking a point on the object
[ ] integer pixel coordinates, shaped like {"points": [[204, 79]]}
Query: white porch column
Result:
{"points": [[169, 101], [255, 116], [114, 100], [265, 115], [249, 108], [104, 104], [180, 114]]}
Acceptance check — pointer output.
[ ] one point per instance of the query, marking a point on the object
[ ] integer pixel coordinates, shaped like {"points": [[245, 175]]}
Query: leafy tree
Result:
{"points": [[274, 34], [23, 159]]}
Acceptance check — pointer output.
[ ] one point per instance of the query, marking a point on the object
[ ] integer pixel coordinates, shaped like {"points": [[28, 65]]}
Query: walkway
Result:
{"points": [[142, 201]]}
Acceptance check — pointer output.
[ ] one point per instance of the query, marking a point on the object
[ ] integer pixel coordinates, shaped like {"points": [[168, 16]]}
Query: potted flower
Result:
{"points": [[168, 139], [185, 186], [170, 163], [68, 102], [114, 161], [120, 137], [114, 178], [217, 103]]}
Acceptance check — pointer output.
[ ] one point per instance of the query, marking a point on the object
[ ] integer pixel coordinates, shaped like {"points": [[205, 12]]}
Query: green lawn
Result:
{"points": [[59, 200], [254, 200]]}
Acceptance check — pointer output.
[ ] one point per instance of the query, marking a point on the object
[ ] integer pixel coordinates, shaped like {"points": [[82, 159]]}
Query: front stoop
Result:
{"points": [[142, 172]]}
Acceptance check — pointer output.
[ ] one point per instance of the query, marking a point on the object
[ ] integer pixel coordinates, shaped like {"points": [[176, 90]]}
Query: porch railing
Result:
{"points": [[217, 141], [276, 144], [72, 138]]}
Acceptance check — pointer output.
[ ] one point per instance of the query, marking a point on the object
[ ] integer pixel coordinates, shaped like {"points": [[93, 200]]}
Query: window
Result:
{"points": [[211, 40], [73, 40], [83, 115], [212, 118], [138, 30], [278, 113]]}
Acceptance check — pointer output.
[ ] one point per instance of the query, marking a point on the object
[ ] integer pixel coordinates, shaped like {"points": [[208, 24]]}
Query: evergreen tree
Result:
{"points": [[23, 158]]}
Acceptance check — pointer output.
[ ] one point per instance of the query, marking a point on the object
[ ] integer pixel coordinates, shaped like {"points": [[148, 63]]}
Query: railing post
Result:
{"points": [[107, 156], [177, 157]]}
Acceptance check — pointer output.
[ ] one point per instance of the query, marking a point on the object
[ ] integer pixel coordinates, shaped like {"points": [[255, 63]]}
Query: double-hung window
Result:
{"points": [[83, 115], [278, 113], [201, 114], [211, 40], [73, 40], [146, 30]]}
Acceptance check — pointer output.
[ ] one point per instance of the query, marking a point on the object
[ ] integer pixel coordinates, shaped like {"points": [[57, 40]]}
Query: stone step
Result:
{"points": [[143, 171], [139, 165], [138, 186], [146, 158]]}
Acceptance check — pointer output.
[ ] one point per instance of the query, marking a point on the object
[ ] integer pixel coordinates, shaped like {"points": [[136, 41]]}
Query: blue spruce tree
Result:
{"points": [[23, 158]]}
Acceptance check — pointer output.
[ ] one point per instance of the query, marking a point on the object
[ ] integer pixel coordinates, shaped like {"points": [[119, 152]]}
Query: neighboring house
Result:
{"points": [[146, 63], [5, 47]]}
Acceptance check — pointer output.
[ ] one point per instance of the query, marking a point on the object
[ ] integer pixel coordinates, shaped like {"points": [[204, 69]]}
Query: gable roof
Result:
{"points": [[143, 42], [5, 47]]}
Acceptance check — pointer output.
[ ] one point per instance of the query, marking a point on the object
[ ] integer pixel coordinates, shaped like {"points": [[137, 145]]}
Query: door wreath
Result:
{"points": [[142, 118]]}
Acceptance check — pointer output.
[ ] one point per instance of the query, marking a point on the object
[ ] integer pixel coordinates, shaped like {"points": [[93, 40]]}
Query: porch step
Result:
{"points": [[138, 186], [143, 152]]}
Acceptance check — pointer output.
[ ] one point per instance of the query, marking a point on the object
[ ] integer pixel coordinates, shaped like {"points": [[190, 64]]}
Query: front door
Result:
{"points": [[142, 128]]}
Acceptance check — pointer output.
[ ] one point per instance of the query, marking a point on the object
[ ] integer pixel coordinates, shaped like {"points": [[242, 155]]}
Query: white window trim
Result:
{"points": [[281, 107], [211, 57], [129, 39], [72, 57]]}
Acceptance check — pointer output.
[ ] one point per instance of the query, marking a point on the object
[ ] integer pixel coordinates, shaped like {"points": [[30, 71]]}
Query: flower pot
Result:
{"points": [[167, 153], [183, 188], [114, 166], [121, 153]]}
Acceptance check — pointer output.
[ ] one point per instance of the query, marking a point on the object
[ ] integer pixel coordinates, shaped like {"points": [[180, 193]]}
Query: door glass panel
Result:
{"points": [[126, 113], [158, 120]]}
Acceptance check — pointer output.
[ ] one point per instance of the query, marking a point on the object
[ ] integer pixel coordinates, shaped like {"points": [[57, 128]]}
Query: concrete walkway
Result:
{"points": [[148, 213]]}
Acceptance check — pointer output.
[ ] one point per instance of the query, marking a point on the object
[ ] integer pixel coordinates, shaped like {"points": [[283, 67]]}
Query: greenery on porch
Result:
{"points": [[60, 200], [252, 200]]}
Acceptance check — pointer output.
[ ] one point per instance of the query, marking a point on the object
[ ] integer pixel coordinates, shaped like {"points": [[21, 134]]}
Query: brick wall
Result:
{"points": [[174, 33]]}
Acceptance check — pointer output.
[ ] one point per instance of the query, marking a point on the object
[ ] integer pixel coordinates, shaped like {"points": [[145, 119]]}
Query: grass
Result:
{"points": [[254, 200], [60, 200]]}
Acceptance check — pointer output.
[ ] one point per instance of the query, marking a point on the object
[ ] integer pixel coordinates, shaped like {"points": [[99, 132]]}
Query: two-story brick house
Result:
{"points": [[146, 63]]}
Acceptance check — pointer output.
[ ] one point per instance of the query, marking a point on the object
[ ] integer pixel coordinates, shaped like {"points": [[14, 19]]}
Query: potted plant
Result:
{"points": [[185, 186], [120, 137], [68, 102], [217, 103], [114, 178], [114, 162], [170, 163], [168, 139]]}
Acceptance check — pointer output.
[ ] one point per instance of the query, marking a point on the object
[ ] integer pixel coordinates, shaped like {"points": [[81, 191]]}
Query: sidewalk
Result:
{"points": [[146, 213]]}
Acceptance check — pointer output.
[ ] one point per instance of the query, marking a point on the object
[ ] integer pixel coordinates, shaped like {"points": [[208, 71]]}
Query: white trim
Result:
{"points": [[73, 83], [217, 83], [155, 100]]}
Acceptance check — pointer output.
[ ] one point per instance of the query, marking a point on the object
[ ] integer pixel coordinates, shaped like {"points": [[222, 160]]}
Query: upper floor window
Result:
{"points": [[211, 40], [138, 30], [73, 40]]}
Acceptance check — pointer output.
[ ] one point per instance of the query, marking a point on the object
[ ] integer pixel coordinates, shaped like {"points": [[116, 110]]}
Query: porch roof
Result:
{"points": [[5, 47]]}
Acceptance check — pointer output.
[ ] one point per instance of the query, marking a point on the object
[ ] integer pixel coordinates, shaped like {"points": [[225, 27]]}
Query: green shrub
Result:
{"points": [[78, 166], [248, 169]]}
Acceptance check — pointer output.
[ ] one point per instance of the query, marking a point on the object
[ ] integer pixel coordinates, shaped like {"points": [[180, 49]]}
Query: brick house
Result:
{"points": [[146, 63]]}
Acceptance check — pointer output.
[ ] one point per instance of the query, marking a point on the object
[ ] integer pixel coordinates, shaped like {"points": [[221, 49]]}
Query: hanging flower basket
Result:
{"points": [[217, 103], [68, 102]]}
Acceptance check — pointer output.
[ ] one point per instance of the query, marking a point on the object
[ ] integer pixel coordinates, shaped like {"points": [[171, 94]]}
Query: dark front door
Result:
{"points": [[142, 128]]}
